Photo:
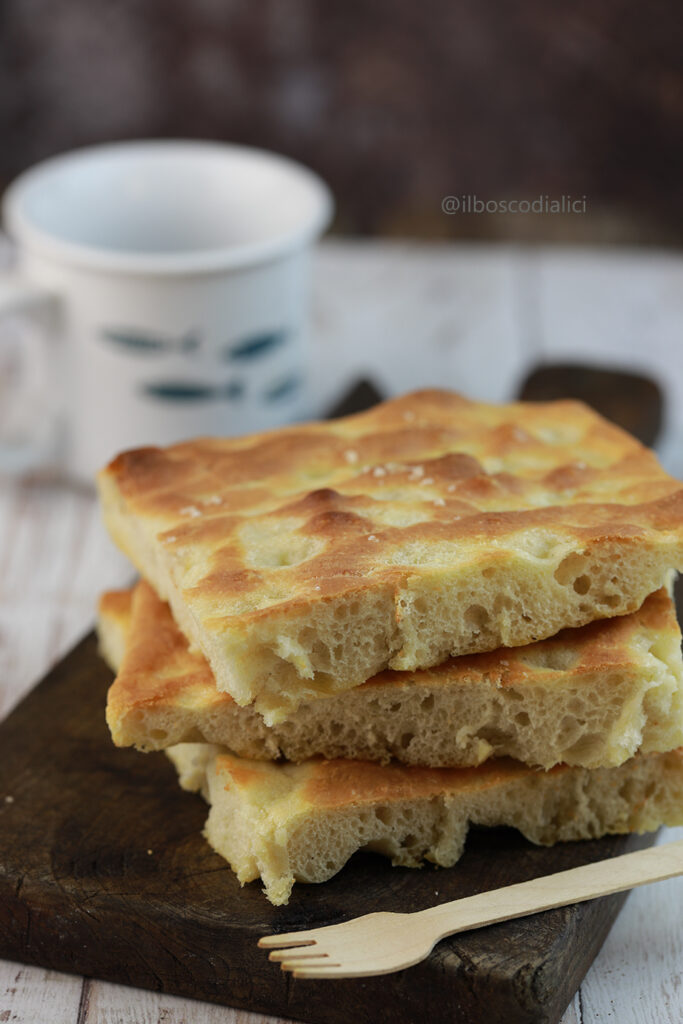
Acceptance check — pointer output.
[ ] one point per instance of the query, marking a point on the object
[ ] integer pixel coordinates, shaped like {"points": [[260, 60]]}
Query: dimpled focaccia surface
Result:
{"points": [[288, 823], [305, 560], [590, 696]]}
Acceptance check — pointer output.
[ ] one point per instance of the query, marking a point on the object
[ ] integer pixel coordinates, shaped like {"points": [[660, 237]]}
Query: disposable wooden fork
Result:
{"points": [[385, 942]]}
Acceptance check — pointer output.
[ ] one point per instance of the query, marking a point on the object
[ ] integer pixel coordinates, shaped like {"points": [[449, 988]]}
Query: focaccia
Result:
{"points": [[591, 696], [305, 560], [286, 823]]}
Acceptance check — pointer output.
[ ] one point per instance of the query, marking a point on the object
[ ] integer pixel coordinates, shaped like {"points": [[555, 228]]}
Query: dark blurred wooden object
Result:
{"points": [[396, 104], [358, 398], [628, 399]]}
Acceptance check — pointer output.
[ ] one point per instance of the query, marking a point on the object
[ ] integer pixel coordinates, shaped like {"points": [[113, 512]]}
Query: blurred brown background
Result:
{"points": [[395, 103]]}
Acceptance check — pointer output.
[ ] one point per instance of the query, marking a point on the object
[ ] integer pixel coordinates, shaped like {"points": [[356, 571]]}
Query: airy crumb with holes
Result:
{"points": [[500, 525], [289, 823], [591, 696]]}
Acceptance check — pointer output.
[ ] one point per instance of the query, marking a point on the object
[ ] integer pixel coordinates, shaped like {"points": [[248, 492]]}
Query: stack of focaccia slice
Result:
{"points": [[383, 628]]}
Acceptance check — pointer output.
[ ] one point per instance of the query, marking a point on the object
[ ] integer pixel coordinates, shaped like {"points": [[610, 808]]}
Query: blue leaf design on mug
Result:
{"points": [[257, 346], [147, 342], [184, 391], [282, 388]]}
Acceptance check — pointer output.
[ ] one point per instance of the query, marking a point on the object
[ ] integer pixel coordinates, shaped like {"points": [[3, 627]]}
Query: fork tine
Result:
{"points": [[286, 939], [305, 965], [328, 971], [293, 954]]}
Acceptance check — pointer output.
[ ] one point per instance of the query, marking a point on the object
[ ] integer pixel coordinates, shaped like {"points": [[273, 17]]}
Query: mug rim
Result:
{"points": [[23, 231]]}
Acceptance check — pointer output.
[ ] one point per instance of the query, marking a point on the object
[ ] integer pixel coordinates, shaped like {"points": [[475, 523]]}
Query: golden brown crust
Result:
{"points": [[532, 451], [330, 784], [165, 693], [253, 539], [288, 823], [158, 667], [116, 605], [114, 615]]}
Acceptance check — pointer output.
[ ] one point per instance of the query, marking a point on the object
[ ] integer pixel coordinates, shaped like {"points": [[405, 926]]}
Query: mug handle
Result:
{"points": [[37, 446]]}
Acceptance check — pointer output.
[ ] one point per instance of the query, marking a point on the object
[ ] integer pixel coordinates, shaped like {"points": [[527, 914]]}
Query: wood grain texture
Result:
{"points": [[115, 1004], [32, 995]]}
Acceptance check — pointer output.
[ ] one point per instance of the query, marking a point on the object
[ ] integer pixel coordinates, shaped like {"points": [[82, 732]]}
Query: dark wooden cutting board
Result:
{"points": [[103, 872]]}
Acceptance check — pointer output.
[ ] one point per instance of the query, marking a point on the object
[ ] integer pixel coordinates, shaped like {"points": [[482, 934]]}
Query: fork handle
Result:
{"points": [[573, 886]]}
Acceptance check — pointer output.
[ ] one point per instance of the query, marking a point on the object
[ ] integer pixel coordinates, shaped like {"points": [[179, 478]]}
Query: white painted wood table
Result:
{"points": [[405, 316]]}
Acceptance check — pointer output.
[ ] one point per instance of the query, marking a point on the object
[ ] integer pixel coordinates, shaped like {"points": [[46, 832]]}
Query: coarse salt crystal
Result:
{"points": [[379, 471], [427, 480], [350, 455], [372, 537], [9, 799], [215, 499], [439, 501], [191, 510], [450, 488]]}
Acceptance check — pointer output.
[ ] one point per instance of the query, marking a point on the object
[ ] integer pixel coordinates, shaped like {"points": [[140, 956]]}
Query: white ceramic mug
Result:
{"points": [[170, 282]]}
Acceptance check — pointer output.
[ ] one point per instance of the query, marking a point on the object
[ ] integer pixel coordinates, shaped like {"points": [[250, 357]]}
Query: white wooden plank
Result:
{"points": [[412, 316], [26, 649], [115, 1004], [55, 559], [618, 308], [39, 549], [101, 565], [572, 1014], [636, 977], [53, 541], [623, 306], [31, 995]]}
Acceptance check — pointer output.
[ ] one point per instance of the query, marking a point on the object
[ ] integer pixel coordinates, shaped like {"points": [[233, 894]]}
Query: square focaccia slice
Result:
{"points": [[301, 823], [303, 561], [591, 696]]}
